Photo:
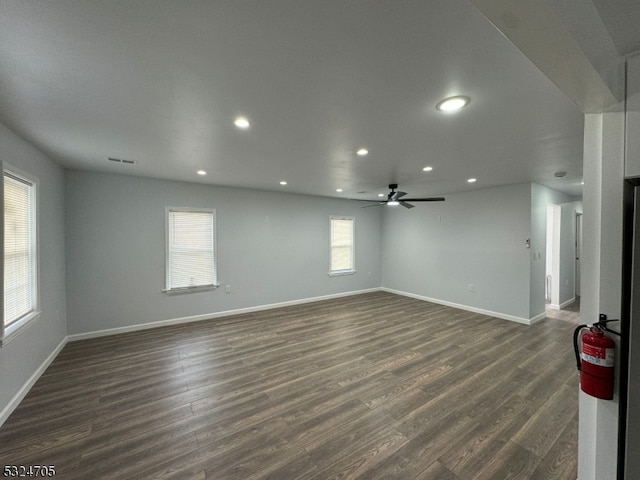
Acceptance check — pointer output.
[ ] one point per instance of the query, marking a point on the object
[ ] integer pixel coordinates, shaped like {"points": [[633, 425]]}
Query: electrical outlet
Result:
{"points": [[227, 288], [471, 287]]}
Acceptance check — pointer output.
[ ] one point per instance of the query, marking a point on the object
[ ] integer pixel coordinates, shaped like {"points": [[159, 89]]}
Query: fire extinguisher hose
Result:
{"points": [[576, 349]]}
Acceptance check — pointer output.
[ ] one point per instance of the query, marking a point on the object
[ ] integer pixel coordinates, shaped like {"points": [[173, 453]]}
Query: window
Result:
{"points": [[342, 246], [20, 260], [191, 262]]}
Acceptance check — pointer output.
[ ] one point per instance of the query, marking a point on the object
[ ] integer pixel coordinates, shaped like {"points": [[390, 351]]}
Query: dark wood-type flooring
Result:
{"points": [[570, 313], [374, 386]]}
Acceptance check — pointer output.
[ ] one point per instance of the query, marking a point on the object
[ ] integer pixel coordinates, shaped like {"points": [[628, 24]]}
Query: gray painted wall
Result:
{"points": [[24, 354], [272, 247], [436, 250]]}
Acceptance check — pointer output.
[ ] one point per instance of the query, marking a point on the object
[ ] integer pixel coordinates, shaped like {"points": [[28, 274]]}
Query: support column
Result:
{"points": [[601, 279]]}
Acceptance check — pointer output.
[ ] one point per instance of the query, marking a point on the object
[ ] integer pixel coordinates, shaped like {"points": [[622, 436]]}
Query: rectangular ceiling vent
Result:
{"points": [[122, 161]]}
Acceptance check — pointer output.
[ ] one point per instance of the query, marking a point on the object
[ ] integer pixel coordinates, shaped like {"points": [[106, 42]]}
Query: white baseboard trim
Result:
{"points": [[209, 316], [17, 398], [503, 316], [538, 318], [554, 306]]}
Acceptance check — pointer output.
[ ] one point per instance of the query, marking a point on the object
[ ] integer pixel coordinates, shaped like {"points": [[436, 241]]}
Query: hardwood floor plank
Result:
{"points": [[511, 462], [290, 468], [153, 442], [541, 431], [362, 460], [401, 406], [561, 461], [32, 443], [346, 437], [373, 386], [120, 429], [423, 449], [436, 471], [493, 432], [374, 397], [258, 460], [326, 423]]}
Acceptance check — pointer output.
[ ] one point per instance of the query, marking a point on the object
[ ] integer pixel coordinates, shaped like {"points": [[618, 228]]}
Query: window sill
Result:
{"points": [[12, 331], [181, 291], [341, 273]]}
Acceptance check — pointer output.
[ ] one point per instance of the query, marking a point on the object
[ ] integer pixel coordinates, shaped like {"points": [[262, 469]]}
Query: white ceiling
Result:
{"points": [[160, 82], [622, 20]]}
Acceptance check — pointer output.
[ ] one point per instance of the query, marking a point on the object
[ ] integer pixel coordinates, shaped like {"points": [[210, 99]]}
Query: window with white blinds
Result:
{"points": [[191, 262], [20, 252], [342, 246]]}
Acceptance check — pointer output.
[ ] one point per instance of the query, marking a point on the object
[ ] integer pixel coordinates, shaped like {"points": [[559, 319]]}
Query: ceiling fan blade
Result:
{"points": [[431, 199], [396, 195], [376, 205], [406, 205]]}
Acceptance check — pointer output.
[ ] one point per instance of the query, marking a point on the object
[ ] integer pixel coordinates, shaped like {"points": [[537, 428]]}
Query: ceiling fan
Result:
{"points": [[394, 198]]}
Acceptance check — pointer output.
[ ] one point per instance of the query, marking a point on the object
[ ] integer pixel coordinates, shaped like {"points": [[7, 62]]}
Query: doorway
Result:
{"points": [[552, 269]]}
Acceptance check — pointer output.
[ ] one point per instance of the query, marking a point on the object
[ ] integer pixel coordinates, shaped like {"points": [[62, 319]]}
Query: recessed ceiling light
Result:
{"points": [[242, 122], [201, 172], [453, 104], [362, 152], [283, 182], [560, 174], [471, 180], [381, 194], [427, 169], [338, 190]]}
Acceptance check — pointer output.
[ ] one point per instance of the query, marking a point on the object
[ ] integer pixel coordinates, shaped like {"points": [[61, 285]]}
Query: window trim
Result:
{"points": [[9, 332], [198, 288], [352, 270]]}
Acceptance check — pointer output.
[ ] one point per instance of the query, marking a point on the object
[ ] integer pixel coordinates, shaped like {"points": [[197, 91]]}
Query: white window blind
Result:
{"points": [[342, 255], [20, 294], [191, 259]]}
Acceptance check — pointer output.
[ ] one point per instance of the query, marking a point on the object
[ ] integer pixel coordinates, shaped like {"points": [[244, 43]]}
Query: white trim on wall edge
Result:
{"points": [[17, 398], [562, 305], [209, 316], [503, 316]]}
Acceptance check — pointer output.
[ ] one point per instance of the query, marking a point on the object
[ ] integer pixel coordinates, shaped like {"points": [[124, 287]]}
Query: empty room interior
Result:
{"points": [[316, 240]]}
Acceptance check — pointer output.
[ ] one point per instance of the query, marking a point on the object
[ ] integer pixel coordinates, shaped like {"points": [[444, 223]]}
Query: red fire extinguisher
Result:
{"points": [[595, 359]]}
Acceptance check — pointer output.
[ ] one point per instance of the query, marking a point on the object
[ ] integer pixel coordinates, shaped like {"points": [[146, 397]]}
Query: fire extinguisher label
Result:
{"points": [[603, 357]]}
